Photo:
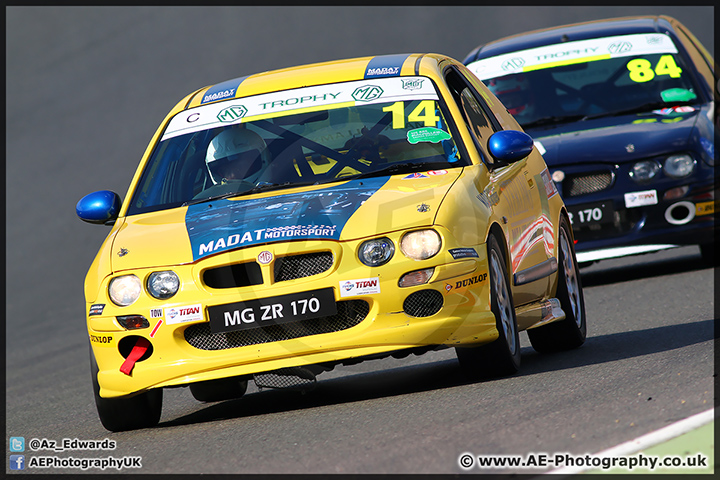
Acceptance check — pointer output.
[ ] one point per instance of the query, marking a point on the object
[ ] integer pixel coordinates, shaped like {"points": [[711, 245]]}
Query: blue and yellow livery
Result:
{"points": [[283, 223]]}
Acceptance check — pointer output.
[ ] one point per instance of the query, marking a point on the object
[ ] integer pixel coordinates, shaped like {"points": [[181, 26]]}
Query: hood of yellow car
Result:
{"points": [[339, 211]]}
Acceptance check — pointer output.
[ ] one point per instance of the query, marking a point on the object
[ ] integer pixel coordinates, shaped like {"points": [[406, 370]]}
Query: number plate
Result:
{"points": [[591, 213], [272, 310]]}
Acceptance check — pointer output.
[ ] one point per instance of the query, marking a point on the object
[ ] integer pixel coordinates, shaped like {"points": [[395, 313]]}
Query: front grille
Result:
{"points": [[299, 266], [586, 183], [232, 276], [349, 313], [423, 303]]}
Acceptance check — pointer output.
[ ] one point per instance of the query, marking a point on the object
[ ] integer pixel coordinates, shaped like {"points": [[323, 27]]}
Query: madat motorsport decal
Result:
{"points": [[316, 214], [385, 66]]}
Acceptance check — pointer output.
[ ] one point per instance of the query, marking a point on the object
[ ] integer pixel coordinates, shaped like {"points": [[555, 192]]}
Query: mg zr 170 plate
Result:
{"points": [[261, 312]]}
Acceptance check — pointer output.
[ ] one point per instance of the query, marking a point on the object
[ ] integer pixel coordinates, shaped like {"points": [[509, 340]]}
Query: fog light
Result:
{"points": [[133, 322], [677, 192], [418, 277]]}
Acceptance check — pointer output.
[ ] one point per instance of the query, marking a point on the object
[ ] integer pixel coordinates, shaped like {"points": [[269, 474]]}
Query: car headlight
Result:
{"points": [[376, 252], [678, 166], [644, 171], [420, 244], [163, 285], [125, 290]]}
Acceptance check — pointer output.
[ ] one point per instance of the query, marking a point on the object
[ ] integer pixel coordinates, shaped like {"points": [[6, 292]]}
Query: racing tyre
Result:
{"points": [[218, 390], [502, 356], [569, 333], [126, 413]]}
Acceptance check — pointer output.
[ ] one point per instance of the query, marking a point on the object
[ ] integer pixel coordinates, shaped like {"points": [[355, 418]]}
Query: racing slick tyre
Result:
{"points": [[502, 356], [126, 413], [570, 332], [218, 390]]}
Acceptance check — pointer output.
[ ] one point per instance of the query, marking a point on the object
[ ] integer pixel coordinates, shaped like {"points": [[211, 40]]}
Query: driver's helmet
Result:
{"points": [[237, 154], [514, 92]]}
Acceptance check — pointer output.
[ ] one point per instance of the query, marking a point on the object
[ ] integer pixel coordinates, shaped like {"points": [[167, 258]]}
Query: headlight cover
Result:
{"points": [[678, 166], [421, 244], [163, 285], [125, 290], [644, 171], [376, 252]]}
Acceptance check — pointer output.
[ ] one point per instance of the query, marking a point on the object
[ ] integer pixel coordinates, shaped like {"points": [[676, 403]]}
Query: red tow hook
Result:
{"points": [[137, 352]]}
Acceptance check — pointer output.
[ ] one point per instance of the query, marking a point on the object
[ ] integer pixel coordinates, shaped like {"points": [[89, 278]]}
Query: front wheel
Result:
{"points": [[569, 333], [126, 413], [502, 356]]}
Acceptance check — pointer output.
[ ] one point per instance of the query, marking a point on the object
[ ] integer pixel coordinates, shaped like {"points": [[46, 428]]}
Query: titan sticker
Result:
{"points": [[97, 309], [363, 286], [190, 313]]}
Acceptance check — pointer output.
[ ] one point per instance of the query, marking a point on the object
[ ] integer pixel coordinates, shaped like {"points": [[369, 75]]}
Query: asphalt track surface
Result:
{"points": [[86, 89]]}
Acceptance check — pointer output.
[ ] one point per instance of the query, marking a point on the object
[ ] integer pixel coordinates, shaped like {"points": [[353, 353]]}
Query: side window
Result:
{"points": [[699, 55], [480, 124]]}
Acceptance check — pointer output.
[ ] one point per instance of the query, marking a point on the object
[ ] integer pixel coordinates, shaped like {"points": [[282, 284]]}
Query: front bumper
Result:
{"points": [[688, 220], [452, 308]]}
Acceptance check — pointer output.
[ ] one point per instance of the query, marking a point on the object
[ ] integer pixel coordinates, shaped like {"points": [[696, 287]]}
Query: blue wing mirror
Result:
{"points": [[99, 207], [509, 146]]}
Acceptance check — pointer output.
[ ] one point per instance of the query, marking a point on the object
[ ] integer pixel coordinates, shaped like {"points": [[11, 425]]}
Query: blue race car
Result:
{"points": [[623, 112]]}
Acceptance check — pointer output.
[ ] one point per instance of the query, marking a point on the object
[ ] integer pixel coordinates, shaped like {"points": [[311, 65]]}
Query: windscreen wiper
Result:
{"points": [[262, 187], [398, 168]]}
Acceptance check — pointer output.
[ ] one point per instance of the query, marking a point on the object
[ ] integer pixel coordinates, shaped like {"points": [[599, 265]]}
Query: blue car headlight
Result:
{"points": [[376, 252], [678, 166], [644, 171]]}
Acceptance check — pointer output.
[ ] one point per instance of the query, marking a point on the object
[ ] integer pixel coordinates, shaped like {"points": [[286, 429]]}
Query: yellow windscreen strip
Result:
{"points": [[299, 110], [567, 62]]}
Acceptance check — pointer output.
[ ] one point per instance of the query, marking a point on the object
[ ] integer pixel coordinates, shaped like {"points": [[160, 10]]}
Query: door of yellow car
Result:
{"points": [[516, 191]]}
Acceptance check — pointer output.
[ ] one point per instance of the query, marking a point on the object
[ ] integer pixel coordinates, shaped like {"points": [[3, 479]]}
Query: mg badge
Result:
{"points": [[265, 257]]}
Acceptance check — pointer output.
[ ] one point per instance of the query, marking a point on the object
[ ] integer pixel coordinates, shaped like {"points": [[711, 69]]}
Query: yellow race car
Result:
{"points": [[283, 223]]}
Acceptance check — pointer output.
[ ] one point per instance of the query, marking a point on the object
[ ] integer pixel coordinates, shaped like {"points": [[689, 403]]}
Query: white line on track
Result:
{"points": [[646, 441]]}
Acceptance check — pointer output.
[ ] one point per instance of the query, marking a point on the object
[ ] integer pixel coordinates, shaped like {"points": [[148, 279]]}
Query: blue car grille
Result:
{"points": [[580, 184]]}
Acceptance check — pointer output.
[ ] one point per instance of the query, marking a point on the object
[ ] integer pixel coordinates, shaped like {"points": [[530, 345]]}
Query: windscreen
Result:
{"points": [[308, 136], [590, 78]]}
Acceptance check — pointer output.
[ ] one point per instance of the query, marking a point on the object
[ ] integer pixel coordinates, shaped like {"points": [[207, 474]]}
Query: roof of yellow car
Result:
{"points": [[317, 74]]}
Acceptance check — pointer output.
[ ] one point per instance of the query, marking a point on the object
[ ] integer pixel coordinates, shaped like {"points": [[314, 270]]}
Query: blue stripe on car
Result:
{"points": [[221, 91], [223, 225], [385, 66]]}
